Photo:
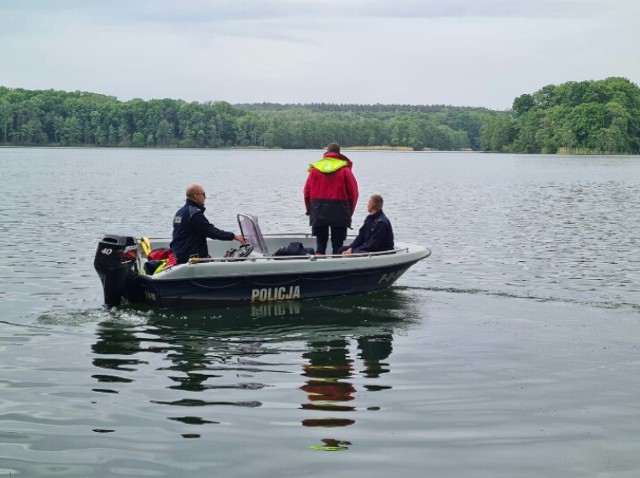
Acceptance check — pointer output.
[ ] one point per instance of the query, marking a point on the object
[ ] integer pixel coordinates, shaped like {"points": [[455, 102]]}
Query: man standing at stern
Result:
{"points": [[191, 228], [330, 197]]}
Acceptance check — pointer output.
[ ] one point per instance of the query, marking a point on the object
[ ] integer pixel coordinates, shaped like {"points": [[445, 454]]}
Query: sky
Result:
{"points": [[481, 53]]}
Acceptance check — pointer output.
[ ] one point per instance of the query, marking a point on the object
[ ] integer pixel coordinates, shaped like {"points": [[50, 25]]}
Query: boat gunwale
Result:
{"points": [[404, 253], [403, 250]]}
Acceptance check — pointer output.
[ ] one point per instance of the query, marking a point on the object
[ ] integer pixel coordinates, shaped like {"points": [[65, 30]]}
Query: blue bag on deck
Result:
{"points": [[295, 249]]}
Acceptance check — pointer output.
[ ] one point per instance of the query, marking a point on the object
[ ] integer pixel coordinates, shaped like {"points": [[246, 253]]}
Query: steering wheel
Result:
{"points": [[241, 251], [245, 249]]}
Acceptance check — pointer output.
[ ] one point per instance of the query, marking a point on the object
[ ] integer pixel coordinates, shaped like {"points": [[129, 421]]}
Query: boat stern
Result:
{"points": [[115, 263]]}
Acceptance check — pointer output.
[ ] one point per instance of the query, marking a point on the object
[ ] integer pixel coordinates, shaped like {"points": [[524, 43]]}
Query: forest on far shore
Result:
{"points": [[601, 117]]}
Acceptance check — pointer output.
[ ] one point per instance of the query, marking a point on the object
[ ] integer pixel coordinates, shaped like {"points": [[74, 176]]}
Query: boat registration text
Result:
{"points": [[268, 294]]}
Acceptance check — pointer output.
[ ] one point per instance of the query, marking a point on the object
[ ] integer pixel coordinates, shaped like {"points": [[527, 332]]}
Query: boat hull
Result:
{"points": [[203, 292]]}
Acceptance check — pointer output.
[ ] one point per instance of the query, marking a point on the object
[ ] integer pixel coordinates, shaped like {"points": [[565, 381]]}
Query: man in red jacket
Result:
{"points": [[330, 197]]}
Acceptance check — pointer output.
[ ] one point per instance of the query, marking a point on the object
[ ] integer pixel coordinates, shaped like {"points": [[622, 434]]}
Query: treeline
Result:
{"points": [[590, 117], [356, 108], [58, 118], [601, 117]]}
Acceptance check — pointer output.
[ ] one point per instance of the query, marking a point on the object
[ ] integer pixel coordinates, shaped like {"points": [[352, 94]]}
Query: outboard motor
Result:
{"points": [[114, 261]]}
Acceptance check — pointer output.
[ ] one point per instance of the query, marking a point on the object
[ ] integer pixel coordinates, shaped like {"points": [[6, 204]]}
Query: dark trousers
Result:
{"points": [[338, 235]]}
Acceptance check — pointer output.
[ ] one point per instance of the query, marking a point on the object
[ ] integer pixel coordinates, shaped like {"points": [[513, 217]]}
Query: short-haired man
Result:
{"points": [[376, 234], [191, 228], [330, 197]]}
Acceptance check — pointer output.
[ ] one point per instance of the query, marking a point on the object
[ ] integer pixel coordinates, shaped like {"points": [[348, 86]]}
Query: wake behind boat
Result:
{"points": [[248, 274]]}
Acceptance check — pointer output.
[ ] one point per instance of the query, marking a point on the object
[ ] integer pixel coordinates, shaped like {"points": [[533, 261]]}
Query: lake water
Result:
{"points": [[511, 352]]}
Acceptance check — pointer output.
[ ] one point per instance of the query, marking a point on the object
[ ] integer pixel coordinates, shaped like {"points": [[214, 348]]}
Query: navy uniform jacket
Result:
{"points": [[190, 231], [376, 234]]}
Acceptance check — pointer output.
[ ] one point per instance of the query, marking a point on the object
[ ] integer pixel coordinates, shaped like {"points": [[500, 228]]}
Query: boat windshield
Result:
{"points": [[250, 229]]}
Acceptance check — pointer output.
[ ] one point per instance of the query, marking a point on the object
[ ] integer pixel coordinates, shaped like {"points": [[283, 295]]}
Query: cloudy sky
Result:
{"points": [[454, 52]]}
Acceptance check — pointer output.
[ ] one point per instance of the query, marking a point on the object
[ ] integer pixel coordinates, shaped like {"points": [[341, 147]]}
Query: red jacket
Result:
{"points": [[331, 191]]}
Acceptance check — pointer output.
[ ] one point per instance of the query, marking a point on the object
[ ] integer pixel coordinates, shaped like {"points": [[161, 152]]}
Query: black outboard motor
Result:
{"points": [[114, 261]]}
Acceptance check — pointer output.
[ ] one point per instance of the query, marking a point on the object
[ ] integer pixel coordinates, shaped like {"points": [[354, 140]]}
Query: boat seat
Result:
{"points": [[250, 229]]}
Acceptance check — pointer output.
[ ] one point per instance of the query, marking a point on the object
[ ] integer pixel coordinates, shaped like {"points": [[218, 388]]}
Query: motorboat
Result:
{"points": [[256, 272]]}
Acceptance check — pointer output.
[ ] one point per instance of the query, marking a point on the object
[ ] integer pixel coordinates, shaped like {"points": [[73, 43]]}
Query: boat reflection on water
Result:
{"points": [[343, 343]]}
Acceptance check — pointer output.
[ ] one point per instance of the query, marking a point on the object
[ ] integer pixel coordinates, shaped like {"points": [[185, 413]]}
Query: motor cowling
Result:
{"points": [[114, 262]]}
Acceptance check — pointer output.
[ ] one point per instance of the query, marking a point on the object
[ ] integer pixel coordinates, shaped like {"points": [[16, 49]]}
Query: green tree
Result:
{"points": [[6, 118], [71, 133], [589, 116]]}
